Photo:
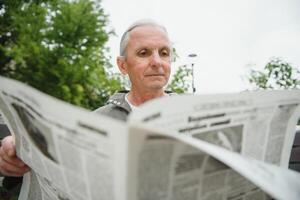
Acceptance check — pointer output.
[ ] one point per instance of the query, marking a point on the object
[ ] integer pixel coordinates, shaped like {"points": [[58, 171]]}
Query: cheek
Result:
{"points": [[138, 71], [167, 68], [136, 67]]}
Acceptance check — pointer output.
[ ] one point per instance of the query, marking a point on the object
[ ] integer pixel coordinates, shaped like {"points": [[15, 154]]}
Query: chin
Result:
{"points": [[156, 83], [157, 86]]}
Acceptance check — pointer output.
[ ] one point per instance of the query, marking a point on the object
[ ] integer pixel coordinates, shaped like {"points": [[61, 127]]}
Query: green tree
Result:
{"points": [[58, 47], [180, 81], [277, 74]]}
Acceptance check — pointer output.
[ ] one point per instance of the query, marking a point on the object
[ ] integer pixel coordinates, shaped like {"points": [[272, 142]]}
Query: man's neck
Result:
{"points": [[137, 98]]}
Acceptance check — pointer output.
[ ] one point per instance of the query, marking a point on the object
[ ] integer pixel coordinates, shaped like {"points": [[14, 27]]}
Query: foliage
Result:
{"points": [[277, 74], [179, 83], [58, 47]]}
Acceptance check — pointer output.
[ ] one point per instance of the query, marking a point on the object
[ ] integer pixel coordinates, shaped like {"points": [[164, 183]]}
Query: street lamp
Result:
{"points": [[193, 56]]}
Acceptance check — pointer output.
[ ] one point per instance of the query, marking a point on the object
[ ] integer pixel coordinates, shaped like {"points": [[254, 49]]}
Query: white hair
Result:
{"points": [[125, 36]]}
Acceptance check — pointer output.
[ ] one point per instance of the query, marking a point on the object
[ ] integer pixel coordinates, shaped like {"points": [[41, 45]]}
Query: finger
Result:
{"points": [[12, 167], [14, 160], [15, 174], [12, 170]]}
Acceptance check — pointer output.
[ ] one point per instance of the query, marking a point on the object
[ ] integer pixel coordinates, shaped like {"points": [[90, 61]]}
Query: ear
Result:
{"points": [[121, 62]]}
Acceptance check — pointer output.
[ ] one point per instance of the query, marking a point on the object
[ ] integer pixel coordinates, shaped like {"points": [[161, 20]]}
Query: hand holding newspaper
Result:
{"points": [[232, 146]]}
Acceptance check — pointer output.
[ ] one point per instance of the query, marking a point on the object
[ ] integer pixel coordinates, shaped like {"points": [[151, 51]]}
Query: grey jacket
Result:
{"points": [[116, 107]]}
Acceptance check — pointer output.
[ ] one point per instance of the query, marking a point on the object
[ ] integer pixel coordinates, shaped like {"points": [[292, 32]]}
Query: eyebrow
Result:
{"points": [[167, 47], [146, 47]]}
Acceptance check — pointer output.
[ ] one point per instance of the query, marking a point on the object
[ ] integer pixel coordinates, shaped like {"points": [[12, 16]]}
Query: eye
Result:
{"points": [[165, 53], [143, 52]]}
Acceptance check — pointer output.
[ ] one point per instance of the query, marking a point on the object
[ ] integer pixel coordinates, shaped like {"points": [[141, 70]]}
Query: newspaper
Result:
{"points": [[76, 154], [260, 124]]}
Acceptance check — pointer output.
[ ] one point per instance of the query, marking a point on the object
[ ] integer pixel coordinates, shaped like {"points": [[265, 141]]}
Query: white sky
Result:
{"points": [[227, 35]]}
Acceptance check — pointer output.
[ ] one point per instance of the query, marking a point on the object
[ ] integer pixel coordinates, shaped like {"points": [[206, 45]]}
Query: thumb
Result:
{"points": [[8, 144]]}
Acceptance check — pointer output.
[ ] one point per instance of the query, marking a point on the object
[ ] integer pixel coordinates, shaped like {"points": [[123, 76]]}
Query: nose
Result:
{"points": [[155, 59]]}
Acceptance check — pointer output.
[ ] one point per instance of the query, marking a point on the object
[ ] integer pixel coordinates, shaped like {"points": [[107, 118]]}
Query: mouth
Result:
{"points": [[154, 75]]}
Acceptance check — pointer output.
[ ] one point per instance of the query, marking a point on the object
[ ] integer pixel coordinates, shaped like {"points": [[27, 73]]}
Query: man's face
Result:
{"points": [[148, 58]]}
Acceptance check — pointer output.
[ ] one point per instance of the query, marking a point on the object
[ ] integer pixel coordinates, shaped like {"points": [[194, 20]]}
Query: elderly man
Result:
{"points": [[145, 56]]}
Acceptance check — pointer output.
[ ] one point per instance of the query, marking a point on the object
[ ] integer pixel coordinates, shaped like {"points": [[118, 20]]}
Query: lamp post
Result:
{"points": [[192, 56]]}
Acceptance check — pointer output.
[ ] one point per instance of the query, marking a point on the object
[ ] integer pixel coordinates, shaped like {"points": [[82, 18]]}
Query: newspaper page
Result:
{"points": [[73, 154], [258, 124], [170, 166]]}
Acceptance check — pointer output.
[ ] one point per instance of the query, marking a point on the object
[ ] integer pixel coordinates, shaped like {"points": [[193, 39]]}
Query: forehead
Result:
{"points": [[148, 35]]}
